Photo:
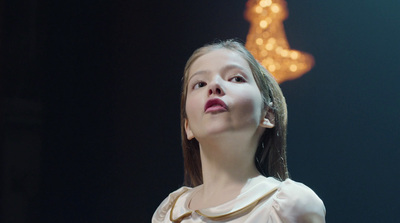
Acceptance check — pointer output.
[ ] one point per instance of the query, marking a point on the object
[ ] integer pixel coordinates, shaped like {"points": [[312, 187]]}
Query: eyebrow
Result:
{"points": [[232, 67], [198, 73], [223, 70]]}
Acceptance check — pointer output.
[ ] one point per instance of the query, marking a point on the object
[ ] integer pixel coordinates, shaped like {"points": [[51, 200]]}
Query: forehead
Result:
{"points": [[217, 59]]}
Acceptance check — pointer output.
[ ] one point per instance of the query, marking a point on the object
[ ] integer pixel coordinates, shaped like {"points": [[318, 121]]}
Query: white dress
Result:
{"points": [[261, 200]]}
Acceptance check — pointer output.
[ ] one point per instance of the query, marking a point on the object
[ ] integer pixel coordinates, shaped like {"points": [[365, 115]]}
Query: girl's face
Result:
{"points": [[223, 97]]}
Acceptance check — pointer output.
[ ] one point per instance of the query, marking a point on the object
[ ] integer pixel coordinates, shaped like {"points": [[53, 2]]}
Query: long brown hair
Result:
{"points": [[270, 158]]}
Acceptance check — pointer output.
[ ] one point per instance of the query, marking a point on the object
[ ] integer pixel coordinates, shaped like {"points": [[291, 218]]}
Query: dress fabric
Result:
{"points": [[262, 199]]}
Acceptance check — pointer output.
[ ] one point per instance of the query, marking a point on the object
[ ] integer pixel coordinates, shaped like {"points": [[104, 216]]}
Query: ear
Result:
{"points": [[269, 119], [189, 133]]}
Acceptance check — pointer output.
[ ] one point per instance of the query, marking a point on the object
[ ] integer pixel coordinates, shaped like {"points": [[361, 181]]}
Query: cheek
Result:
{"points": [[250, 105], [192, 105]]}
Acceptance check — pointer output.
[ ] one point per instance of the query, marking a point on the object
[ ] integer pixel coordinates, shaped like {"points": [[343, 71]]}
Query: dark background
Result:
{"points": [[90, 104]]}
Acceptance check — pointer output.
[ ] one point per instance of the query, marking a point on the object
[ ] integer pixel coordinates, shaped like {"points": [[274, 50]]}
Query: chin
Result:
{"points": [[217, 128], [211, 133]]}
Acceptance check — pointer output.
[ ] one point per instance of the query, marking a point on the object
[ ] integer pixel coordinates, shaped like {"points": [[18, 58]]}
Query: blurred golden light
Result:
{"points": [[263, 24], [294, 55], [275, 8], [265, 3], [269, 46], [285, 53], [271, 67], [264, 53], [267, 41], [293, 67], [258, 9]]}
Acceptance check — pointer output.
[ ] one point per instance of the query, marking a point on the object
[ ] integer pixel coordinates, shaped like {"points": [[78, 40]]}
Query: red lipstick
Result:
{"points": [[215, 105]]}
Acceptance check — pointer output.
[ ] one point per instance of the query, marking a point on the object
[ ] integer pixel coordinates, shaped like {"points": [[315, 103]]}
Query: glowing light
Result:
{"points": [[267, 41], [294, 55], [263, 24], [275, 8], [272, 40], [271, 67], [258, 9], [265, 3], [269, 46], [278, 50], [284, 53], [264, 53]]}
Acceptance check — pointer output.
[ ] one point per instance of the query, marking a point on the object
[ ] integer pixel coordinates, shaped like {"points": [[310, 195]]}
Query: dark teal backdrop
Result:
{"points": [[91, 94]]}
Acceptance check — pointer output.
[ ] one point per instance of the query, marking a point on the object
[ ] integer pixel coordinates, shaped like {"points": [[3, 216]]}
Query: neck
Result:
{"points": [[227, 164]]}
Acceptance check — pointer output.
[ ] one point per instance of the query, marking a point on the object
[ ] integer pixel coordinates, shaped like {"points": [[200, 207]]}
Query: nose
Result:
{"points": [[215, 88]]}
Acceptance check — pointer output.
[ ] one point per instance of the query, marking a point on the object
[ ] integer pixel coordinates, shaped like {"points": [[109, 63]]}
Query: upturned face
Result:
{"points": [[223, 97]]}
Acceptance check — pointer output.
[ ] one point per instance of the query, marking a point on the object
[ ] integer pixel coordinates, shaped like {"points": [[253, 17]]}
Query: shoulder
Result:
{"points": [[163, 209], [295, 202]]}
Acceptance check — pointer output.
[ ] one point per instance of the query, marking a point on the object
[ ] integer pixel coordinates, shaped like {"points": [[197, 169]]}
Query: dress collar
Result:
{"points": [[255, 189]]}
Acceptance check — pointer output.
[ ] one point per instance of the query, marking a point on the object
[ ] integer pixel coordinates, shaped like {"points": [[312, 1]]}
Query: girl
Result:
{"points": [[233, 121]]}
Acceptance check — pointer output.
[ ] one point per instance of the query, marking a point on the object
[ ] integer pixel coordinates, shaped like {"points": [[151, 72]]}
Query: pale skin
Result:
{"points": [[228, 138]]}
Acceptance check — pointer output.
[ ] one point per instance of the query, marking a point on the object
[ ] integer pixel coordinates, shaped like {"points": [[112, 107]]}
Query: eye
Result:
{"points": [[238, 79], [199, 85]]}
